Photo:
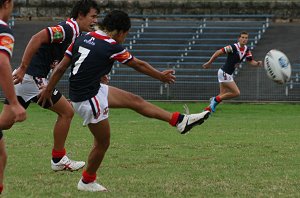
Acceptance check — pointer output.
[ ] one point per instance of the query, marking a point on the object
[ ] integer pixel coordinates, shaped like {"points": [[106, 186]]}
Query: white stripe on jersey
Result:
{"points": [[69, 53], [7, 50], [2, 22], [228, 49], [51, 35], [73, 24]]}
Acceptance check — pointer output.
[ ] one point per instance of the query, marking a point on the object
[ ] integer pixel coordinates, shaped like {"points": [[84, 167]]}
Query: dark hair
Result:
{"points": [[243, 32], [83, 7], [2, 2], [116, 20]]}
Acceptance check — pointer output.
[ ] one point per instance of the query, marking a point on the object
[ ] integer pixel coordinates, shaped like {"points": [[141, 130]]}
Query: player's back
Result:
{"points": [[92, 57]]}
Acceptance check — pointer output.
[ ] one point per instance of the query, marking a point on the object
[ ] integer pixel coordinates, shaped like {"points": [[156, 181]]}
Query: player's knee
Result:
{"points": [[68, 113], [136, 100]]}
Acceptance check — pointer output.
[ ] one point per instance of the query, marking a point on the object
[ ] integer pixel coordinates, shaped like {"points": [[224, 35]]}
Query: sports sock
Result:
{"points": [[1, 188], [57, 155], [88, 178], [218, 99], [176, 118]]}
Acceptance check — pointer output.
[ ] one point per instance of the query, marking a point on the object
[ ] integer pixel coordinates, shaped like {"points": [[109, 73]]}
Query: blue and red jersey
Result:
{"points": [[60, 37], [93, 56], [235, 55]]}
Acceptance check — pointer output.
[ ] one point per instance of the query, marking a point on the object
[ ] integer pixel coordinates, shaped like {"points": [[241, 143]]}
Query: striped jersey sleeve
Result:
{"points": [[123, 57], [227, 50], [69, 50], [7, 40]]}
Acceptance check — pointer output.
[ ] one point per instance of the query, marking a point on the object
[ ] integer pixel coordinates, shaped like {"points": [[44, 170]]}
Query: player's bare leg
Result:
{"points": [[229, 90], [3, 158], [101, 133], [118, 98], [6, 118], [65, 114]]}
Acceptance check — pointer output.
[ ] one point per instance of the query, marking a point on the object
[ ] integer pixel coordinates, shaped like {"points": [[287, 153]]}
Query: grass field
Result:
{"points": [[243, 150]]}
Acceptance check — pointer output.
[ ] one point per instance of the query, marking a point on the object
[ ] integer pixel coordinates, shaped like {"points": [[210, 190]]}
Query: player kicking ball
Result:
{"points": [[92, 56]]}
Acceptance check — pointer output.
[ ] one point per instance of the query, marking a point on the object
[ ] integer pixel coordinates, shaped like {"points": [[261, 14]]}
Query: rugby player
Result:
{"points": [[13, 112], [236, 53], [91, 57], [43, 51]]}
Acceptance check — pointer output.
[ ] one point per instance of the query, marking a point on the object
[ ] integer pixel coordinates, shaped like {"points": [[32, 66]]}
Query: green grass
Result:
{"points": [[243, 150]]}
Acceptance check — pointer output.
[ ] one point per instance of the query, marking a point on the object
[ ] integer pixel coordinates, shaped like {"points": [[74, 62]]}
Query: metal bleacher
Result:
{"points": [[292, 87], [183, 43]]}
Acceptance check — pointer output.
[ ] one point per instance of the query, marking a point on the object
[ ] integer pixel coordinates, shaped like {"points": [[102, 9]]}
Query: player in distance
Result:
{"points": [[43, 51], [92, 56], [236, 53], [13, 111]]}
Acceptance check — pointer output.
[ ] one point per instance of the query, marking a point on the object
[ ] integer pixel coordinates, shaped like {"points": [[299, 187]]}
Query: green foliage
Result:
{"points": [[243, 150]]}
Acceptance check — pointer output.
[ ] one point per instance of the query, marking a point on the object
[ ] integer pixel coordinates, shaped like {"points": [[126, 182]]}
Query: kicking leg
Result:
{"points": [[118, 98]]}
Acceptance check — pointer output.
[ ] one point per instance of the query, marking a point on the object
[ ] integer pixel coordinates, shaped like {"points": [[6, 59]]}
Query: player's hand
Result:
{"points": [[259, 63], [44, 96], [206, 65], [167, 76], [18, 75], [104, 79], [19, 111]]}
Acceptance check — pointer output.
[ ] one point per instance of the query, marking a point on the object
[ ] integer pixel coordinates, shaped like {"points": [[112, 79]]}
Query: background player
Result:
{"points": [[92, 56], [236, 53], [44, 50], [13, 112]]}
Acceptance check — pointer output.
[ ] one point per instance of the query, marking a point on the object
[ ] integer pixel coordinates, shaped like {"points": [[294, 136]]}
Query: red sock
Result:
{"points": [[88, 178], [58, 154], [174, 119], [1, 188], [218, 99]]}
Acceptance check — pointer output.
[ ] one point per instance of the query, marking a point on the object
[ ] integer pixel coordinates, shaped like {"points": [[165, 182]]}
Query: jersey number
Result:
{"points": [[83, 54]]}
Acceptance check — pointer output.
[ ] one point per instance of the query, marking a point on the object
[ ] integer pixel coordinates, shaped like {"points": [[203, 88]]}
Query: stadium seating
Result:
{"points": [[183, 43], [293, 87]]}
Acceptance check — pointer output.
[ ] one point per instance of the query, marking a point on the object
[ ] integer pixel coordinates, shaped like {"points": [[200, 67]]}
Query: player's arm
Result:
{"points": [[46, 92], [145, 68], [251, 61], [6, 83], [32, 47], [256, 63], [218, 53]]}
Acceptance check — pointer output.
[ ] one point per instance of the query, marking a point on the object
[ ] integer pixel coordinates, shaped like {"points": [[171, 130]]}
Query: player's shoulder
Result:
{"points": [[4, 28]]}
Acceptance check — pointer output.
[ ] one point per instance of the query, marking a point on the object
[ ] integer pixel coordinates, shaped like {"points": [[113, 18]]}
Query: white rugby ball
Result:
{"points": [[277, 66]]}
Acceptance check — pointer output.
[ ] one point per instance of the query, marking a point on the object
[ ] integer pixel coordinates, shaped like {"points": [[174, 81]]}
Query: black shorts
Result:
{"points": [[56, 95]]}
